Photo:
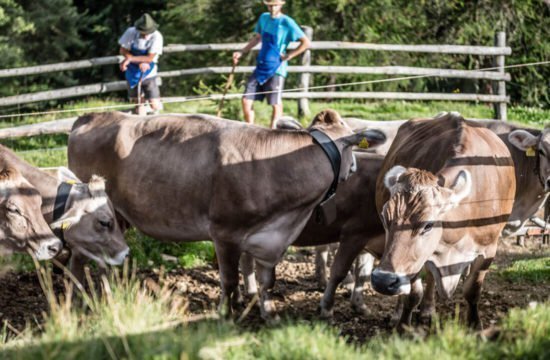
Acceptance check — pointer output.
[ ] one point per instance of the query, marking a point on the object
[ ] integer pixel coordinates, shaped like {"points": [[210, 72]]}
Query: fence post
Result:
{"points": [[499, 87], [303, 103]]}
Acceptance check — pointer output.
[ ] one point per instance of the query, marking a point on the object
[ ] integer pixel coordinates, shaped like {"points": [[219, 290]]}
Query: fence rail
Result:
{"points": [[499, 77]]}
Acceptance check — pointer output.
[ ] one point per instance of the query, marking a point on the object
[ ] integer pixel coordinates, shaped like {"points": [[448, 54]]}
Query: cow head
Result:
{"points": [[22, 225], [539, 146], [412, 218], [330, 122], [89, 225]]}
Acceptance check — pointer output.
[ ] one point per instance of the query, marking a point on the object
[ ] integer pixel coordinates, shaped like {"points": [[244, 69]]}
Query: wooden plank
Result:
{"points": [[72, 65], [64, 93], [376, 70], [343, 45], [315, 45], [362, 95], [48, 127], [355, 70]]}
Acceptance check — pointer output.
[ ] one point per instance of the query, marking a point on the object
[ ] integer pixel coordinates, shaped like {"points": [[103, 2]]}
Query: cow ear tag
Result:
{"points": [[65, 225], [364, 144], [530, 151]]}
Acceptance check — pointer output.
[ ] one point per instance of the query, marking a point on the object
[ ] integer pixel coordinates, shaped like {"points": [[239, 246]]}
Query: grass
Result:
{"points": [[148, 321], [535, 271]]}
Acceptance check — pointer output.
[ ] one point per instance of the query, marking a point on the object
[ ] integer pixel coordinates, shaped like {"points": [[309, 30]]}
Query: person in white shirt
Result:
{"points": [[141, 45]]}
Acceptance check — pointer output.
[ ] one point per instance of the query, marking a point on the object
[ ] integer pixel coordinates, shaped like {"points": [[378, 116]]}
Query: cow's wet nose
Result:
{"points": [[54, 248], [389, 283]]}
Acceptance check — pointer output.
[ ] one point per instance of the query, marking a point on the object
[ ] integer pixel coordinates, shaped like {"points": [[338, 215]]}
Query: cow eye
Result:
{"points": [[105, 223], [427, 228], [13, 209]]}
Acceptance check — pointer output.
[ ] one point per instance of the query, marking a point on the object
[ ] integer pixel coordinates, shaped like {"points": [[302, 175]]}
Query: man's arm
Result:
{"points": [[304, 44], [256, 39], [128, 58]]}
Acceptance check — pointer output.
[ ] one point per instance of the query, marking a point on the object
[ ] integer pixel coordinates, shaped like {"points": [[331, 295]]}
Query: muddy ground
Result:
{"points": [[297, 294]]}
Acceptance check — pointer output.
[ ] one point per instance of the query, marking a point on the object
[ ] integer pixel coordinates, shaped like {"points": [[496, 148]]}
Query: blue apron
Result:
{"points": [[269, 58], [133, 73]]}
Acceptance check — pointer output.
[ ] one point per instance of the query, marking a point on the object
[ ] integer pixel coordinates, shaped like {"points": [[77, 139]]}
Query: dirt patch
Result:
{"points": [[297, 295]]}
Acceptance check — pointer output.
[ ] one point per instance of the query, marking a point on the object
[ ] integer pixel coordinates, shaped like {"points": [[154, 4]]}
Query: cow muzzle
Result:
{"points": [[48, 249], [119, 258], [389, 283]]}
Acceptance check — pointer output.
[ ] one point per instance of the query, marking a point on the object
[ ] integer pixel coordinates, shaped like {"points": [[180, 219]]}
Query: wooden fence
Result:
{"points": [[498, 77]]}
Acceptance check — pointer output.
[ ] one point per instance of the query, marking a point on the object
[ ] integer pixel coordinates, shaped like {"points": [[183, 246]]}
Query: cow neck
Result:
{"points": [[331, 151]]}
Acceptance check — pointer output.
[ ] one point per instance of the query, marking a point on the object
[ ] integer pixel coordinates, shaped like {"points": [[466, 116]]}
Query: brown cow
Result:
{"points": [[86, 222], [22, 226], [445, 192], [195, 177]]}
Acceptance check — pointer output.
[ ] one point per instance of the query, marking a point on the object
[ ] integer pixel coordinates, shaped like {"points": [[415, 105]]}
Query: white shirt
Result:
{"points": [[153, 43]]}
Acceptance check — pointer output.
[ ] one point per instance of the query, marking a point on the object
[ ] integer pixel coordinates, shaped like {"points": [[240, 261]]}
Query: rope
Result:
{"points": [[230, 96]]}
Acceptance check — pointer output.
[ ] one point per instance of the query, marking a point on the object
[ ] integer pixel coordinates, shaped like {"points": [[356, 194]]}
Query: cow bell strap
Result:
{"points": [[63, 191], [331, 150]]}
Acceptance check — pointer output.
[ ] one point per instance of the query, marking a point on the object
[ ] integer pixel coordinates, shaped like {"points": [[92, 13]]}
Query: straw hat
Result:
{"points": [[145, 24], [274, 2]]}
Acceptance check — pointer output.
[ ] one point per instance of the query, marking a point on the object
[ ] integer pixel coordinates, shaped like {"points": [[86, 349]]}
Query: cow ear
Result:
{"points": [[327, 117], [392, 177], [367, 137], [522, 139], [64, 174], [462, 186], [288, 123], [97, 186]]}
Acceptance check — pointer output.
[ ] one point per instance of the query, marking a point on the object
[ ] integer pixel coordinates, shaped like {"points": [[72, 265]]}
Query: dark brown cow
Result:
{"points": [[195, 177], [445, 192], [22, 226]]}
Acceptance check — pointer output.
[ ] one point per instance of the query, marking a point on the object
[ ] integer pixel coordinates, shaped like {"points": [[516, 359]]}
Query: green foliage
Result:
{"points": [[148, 252], [535, 271]]}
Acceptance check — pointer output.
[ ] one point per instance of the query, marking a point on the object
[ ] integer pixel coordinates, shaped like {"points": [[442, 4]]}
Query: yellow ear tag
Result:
{"points": [[364, 144], [71, 182], [530, 151], [65, 225]]}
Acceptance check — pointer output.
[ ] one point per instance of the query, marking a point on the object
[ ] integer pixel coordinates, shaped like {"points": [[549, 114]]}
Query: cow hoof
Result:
{"points": [[360, 309], [326, 314], [272, 319], [425, 317]]}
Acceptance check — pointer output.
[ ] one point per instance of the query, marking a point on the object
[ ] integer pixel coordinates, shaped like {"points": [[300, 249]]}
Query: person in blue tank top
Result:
{"points": [[141, 46], [275, 31]]}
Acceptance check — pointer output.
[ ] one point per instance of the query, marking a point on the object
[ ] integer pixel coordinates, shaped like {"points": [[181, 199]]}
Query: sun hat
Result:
{"points": [[145, 24], [274, 2]]}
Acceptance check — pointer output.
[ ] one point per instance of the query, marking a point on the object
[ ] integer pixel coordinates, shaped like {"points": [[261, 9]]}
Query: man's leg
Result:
{"points": [[248, 110], [152, 94], [275, 98]]}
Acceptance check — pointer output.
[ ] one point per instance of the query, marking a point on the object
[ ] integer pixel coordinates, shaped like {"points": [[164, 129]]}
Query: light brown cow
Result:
{"points": [[445, 192], [22, 226], [195, 177], [87, 221]]}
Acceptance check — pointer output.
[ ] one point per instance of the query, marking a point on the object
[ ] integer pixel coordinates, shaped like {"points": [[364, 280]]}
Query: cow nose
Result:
{"points": [[54, 248], [389, 283]]}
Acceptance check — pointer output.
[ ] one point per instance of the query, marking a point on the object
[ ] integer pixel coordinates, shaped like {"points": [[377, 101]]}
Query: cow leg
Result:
{"points": [[398, 312], [247, 270], [427, 306], [77, 263], [472, 288], [321, 260], [342, 263], [410, 302], [363, 269], [266, 275], [228, 257]]}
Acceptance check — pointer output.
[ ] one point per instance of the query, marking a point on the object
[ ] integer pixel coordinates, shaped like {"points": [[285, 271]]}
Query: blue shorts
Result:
{"points": [[274, 86]]}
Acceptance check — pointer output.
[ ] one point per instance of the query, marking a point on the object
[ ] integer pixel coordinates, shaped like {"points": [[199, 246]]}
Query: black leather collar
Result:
{"points": [[331, 150], [63, 191]]}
